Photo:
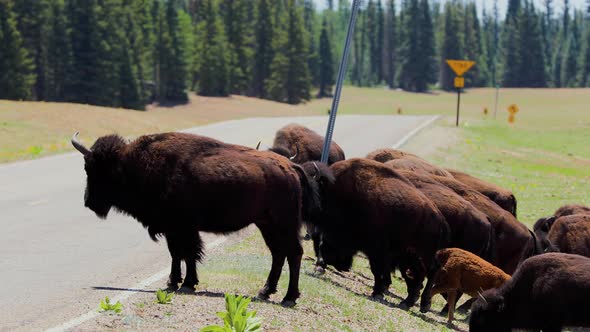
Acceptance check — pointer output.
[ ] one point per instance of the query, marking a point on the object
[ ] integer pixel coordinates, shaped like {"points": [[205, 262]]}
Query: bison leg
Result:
{"points": [[294, 260], [278, 260], [175, 273], [426, 299], [451, 297], [414, 274], [380, 267], [191, 253]]}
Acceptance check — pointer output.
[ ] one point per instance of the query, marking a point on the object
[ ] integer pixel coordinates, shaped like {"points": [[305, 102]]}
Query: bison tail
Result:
{"points": [[312, 177], [513, 199], [489, 253]]}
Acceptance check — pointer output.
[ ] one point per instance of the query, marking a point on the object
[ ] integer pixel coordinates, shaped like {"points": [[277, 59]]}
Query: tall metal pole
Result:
{"points": [[341, 73], [458, 103]]}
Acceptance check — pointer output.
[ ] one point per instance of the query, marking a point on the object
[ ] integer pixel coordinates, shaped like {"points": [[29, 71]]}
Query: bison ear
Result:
{"points": [[548, 223]]}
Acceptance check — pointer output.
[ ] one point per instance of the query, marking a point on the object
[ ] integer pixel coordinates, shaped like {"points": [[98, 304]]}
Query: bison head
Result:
{"points": [[335, 252], [541, 229], [488, 313], [101, 163]]}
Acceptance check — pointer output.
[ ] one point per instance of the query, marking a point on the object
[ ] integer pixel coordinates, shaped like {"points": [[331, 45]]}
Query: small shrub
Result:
{"points": [[236, 318], [106, 305], [163, 297], [35, 150]]}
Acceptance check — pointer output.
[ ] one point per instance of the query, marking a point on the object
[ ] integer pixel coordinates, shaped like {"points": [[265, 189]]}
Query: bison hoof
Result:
{"points": [[377, 297], [262, 296], [288, 303], [320, 270], [404, 305], [425, 308]]}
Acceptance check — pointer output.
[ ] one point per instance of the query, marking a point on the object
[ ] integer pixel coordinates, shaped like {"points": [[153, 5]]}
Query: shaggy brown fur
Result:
{"points": [[373, 209], [462, 271], [470, 228], [387, 154], [418, 165], [403, 160], [178, 185], [543, 225], [571, 234], [547, 292], [303, 143], [514, 241], [503, 197]]}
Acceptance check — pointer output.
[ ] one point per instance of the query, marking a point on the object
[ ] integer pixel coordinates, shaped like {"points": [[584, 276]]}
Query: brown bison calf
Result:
{"points": [[546, 293], [302, 144], [462, 271]]}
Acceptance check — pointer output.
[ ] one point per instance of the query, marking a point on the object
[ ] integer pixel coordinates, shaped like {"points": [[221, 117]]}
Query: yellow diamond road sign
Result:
{"points": [[460, 67]]}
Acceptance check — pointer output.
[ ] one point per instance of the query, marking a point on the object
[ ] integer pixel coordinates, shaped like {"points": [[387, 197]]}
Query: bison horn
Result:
{"points": [[79, 146], [482, 297], [258, 145], [317, 170], [296, 153]]}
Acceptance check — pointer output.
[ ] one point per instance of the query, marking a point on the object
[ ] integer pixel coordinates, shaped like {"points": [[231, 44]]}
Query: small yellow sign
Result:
{"points": [[513, 109], [460, 67], [459, 82]]}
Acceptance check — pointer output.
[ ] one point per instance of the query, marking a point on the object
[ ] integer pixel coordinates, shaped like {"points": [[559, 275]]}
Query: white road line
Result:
{"points": [[405, 139], [124, 294]]}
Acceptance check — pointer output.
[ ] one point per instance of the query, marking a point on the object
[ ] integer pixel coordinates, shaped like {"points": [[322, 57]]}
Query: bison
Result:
{"points": [[514, 242], [503, 197], [178, 185], [463, 272], [569, 234], [547, 292], [302, 144], [470, 228], [371, 208], [543, 225]]}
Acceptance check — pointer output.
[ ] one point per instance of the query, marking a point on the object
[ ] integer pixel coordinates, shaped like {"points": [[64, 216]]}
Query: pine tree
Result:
{"points": [[426, 67], [584, 61], [569, 67], [16, 68], [214, 71], [390, 45], [472, 40], [452, 45], [309, 20], [511, 46], [373, 40], [33, 18], [264, 51], [290, 81], [238, 30], [59, 54], [380, 42], [532, 71], [326, 65]]}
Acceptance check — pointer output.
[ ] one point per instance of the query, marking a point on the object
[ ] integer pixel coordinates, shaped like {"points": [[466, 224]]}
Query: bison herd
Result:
{"points": [[458, 233]]}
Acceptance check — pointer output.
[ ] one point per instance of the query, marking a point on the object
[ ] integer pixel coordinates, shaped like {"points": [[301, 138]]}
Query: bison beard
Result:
{"points": [[177, 185], [373, 209]]}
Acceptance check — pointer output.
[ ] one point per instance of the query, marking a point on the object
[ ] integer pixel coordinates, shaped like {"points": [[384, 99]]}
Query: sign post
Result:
{"points": [[460, 67]]}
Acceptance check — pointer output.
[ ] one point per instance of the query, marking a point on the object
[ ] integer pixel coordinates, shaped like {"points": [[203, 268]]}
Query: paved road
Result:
{"points": [[57, 259]]}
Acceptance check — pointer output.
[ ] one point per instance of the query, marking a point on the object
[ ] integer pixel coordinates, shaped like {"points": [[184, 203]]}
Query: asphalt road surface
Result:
{"points": [[57, 259]]}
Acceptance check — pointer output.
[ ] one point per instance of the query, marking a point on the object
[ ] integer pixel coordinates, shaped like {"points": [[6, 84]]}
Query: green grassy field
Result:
{"points": [[544, 157]]}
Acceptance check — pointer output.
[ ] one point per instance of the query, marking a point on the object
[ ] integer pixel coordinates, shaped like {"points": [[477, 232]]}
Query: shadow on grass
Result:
{"points": [[123, 289], [433, 321]]}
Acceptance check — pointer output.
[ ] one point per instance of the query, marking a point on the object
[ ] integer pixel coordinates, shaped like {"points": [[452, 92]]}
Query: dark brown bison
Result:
{"points": [[302, 144], [543, 225], [514, 242], [470, 228], [404, 160], [547, 292], [569, 234], [371, 208], [503, 197], [178, 185]]}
